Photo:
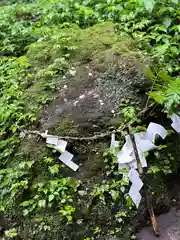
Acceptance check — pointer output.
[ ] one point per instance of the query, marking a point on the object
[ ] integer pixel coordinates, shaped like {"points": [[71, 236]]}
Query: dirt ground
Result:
{"points": [[169, 227]]}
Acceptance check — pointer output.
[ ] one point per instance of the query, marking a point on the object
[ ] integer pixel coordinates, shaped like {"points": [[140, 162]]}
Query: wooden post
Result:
{"points": [[147, 192]]}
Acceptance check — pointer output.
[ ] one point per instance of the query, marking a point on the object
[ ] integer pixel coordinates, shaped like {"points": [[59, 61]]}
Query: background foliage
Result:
{"points": [[31, 41]]}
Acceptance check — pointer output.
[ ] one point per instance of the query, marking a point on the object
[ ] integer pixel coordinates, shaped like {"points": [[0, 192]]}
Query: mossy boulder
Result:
{"points": [[89, 95], [93, 70], [86, 74], [106, 72], [100, 48]]}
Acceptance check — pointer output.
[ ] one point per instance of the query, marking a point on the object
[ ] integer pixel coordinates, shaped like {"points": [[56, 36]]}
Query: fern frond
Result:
{"points": [[168, 95]]}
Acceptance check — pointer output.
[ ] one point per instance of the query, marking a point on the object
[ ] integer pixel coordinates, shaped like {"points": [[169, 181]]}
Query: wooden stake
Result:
{"points": [[148, 196], [139, 165], [147, 192]]}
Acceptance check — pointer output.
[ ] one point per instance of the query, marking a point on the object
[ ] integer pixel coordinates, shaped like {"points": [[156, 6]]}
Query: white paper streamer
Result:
{"points": [[123, 165], [60, 145], [175, 122], [114, 143], [127, 148], [123, 157], [175, 118], [53, 140], [135, 179], [155, 129], [66, 158], [176, 127], [144, 142], [126, 157], [145, 146], [135, 196], [136, 186], [133, 164]]}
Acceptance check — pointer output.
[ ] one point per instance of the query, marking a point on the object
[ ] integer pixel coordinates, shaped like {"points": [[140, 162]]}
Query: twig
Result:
{"points": [[145, 109], [150, 111]]}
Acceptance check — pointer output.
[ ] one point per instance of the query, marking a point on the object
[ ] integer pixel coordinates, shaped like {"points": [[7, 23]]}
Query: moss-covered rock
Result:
{"points": [[54, 54], [91, 74], [84, 44]]}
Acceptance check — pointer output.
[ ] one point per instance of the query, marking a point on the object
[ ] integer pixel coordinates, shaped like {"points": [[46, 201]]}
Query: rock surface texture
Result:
{"points": [[169, 227], [93, 90]]}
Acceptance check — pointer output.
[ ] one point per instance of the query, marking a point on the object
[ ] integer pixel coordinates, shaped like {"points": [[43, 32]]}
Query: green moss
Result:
{"points": [[50, 59], [66, 127], [94, 162], [82, 45], [160, 193], [95, 40], [33, 149]]}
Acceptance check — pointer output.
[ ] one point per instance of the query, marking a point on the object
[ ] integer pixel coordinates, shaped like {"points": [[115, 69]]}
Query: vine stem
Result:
{"points": [[90, 138]]}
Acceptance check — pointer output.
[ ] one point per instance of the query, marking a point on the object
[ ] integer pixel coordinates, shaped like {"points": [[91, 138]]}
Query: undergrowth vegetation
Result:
{"points": [[41, 41]]}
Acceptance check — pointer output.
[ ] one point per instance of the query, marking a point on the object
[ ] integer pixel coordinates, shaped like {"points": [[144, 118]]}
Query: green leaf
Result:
{"points": [[164, 77], [157, 96], [122, 189], [114, 194], [149, 4], [161, 49], [175, 1], [73, 183], [25, 212], [54, 169], [69, 218], [11, 233], [167, 21], [27, 203], [51, 197], [42, 203], [48, 160], [63, 200]]}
